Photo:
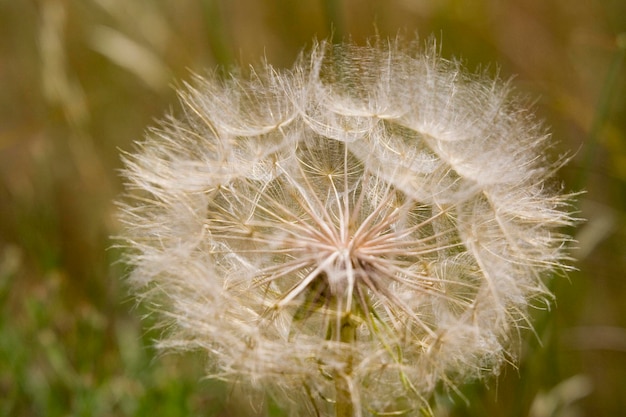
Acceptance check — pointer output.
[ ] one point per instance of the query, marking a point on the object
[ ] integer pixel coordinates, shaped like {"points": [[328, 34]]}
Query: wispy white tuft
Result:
{"points": [[366, 226]]}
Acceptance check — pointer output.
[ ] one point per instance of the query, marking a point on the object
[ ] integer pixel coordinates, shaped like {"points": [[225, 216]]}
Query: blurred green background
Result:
{"points": [[82, 79]]}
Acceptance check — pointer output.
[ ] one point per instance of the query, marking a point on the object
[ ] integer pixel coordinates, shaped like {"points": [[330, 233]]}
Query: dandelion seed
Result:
{"points": [[367, 225]]}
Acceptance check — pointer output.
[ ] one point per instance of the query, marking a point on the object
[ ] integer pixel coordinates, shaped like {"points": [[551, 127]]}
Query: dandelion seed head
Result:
{"points": [[375, 216]]}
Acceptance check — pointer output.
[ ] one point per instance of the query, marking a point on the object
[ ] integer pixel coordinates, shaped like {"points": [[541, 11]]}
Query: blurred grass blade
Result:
{"points": [[603, 108], [132, 56]]}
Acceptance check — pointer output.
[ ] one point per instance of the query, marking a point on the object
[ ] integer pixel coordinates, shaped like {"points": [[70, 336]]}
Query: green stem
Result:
{"points": [[216, 34], [332, 9], [344, 406]]}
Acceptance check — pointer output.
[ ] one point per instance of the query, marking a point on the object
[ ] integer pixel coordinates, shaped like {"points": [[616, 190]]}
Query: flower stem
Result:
{"points": [[344, 406]]}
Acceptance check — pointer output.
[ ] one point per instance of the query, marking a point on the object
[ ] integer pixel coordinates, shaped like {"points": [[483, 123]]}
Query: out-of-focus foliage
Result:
{"points": [[80, 79]]}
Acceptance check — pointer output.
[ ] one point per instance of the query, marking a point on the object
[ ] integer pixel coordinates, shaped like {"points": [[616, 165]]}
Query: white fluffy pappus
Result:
{"points": [[366, 226]]}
